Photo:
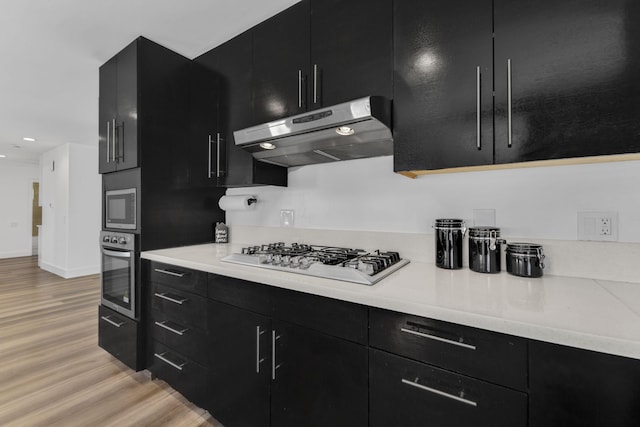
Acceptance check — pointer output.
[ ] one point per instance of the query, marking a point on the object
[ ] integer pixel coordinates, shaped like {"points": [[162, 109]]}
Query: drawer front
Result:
{"points": [[340, 319], [118, 335], [407, 393], [188, 340], [182, 307], [239, 293], [490, 356], [185, 279], [181, 373]]}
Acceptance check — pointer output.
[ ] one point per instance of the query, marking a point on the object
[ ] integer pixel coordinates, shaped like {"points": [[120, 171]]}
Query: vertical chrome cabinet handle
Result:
{"points": [[478, 143], [315, 83], [218, 140], [299, 88], [258, 359], [209, 168], [106, 319], [114, 142], [436, 338], [439, 393], [108, 160], [274, 337], [509, 99]]}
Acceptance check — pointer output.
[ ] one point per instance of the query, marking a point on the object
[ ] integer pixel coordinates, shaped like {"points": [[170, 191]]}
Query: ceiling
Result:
{"points": [[50, 51]]}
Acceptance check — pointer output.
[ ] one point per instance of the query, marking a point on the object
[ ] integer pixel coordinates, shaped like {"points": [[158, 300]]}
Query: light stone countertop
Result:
{"points": [[585, 313]]}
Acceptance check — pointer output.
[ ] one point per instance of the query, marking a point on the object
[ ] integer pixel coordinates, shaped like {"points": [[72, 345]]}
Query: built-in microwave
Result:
{"points": [[120, 209]]}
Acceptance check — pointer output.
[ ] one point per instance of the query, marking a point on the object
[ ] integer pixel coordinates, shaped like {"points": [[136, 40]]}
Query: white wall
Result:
{"points": [[536, 203], [71, 211], [16, 196]]}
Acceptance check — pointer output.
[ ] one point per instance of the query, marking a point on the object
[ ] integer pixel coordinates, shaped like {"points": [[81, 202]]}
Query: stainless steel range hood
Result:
{"points": [[353, 130]]}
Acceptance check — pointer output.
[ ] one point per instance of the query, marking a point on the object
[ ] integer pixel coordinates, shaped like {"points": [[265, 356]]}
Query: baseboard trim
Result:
{"points": [[15, 254], [69, 274]]}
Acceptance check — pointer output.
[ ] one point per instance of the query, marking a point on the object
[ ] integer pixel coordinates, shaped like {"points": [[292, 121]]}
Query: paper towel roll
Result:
{"points": [[237, 203]]}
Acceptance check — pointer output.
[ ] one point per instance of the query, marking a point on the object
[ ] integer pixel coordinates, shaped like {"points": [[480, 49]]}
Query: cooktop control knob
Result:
{"points": [[122, 240], [106, 239], [114, 239]]}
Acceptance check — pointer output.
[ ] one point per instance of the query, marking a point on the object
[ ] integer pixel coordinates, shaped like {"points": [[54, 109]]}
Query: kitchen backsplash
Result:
{"points": [[532, 203]]}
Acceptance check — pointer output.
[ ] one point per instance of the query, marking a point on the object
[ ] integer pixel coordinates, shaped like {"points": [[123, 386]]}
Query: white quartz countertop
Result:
{"points": [[585, 313]]}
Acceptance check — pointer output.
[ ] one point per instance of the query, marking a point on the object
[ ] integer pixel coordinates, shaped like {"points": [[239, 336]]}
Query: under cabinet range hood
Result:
{"points": [[352, 130]]}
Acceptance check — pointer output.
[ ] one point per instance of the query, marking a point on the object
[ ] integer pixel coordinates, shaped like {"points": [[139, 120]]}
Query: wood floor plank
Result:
{"points": [[52, 372]]}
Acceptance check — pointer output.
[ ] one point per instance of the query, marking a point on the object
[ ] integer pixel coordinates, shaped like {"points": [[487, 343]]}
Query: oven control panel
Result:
{"points": [[112, 239]]}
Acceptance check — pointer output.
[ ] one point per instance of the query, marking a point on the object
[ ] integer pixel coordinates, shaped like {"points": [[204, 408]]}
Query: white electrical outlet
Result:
{"points": [[598, 226]]}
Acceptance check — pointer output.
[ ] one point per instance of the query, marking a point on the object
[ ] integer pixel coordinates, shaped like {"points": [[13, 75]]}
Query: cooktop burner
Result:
{"points": [[351, 265]]}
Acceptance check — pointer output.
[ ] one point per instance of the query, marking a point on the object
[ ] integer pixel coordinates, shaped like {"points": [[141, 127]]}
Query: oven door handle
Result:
{"points": [[117, 254]]}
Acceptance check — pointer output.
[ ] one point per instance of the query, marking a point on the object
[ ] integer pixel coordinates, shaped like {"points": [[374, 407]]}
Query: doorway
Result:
{"points": [[36, 218]]}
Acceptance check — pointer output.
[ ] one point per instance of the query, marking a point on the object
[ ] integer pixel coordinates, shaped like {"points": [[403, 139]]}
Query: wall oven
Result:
{"points": [[120, 260], [120, 209]]}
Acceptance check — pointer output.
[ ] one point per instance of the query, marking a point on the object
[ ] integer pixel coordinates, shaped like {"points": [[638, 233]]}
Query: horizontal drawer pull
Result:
{"points": [[168, 362], [106, 319], [169, 272], [440, 393], [168, 298], [433, 337], [170, 329]]}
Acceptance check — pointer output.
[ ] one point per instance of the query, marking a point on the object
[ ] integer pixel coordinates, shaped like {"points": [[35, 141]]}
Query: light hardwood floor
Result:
{"points": [[52, 372]]}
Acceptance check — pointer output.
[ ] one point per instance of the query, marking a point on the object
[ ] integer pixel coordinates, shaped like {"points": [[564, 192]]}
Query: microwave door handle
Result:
{"points": [[116, 254]]}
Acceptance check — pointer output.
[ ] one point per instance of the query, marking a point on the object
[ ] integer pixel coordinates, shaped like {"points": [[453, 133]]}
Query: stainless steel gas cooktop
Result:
{"points": [[350, 265]]}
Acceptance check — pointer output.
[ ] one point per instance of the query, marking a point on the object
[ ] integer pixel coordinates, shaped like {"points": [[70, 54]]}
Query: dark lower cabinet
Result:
{"points": [[183, 374], [266, 371], [573, 387], [319, 380], [240, 358], [120, 336], [408, 393]]}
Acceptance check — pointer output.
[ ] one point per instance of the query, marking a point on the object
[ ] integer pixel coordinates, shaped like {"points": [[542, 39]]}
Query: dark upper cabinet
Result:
{"points": [[231, 63], [281, 64], [573, 70], [351, 51], [318, 53], [206, 146], [573, 387], [443, 82], [563, 72], [118, 111]]}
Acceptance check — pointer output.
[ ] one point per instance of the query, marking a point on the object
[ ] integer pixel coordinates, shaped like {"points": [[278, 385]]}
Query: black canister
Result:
{"points": [[449, 233], [525, 259], [484, 249]]}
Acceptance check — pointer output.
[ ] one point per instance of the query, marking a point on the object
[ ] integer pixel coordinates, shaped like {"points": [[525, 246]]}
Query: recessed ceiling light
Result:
{"points": [[2, 156], [29, 139]]}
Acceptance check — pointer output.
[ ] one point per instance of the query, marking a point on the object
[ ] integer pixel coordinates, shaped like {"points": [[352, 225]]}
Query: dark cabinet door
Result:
{"points": [[318, 380], [205, 162], [443, 101], [127, 102], [574, 387], [240, 366], [231, 62], [107, 112], [118, 111], [572, 70], [281, 64], [351, 50]]}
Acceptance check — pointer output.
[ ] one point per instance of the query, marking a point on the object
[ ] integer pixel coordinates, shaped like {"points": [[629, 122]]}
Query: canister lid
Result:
{"points": [[524, 248], [484, 232], [449, 223]]}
